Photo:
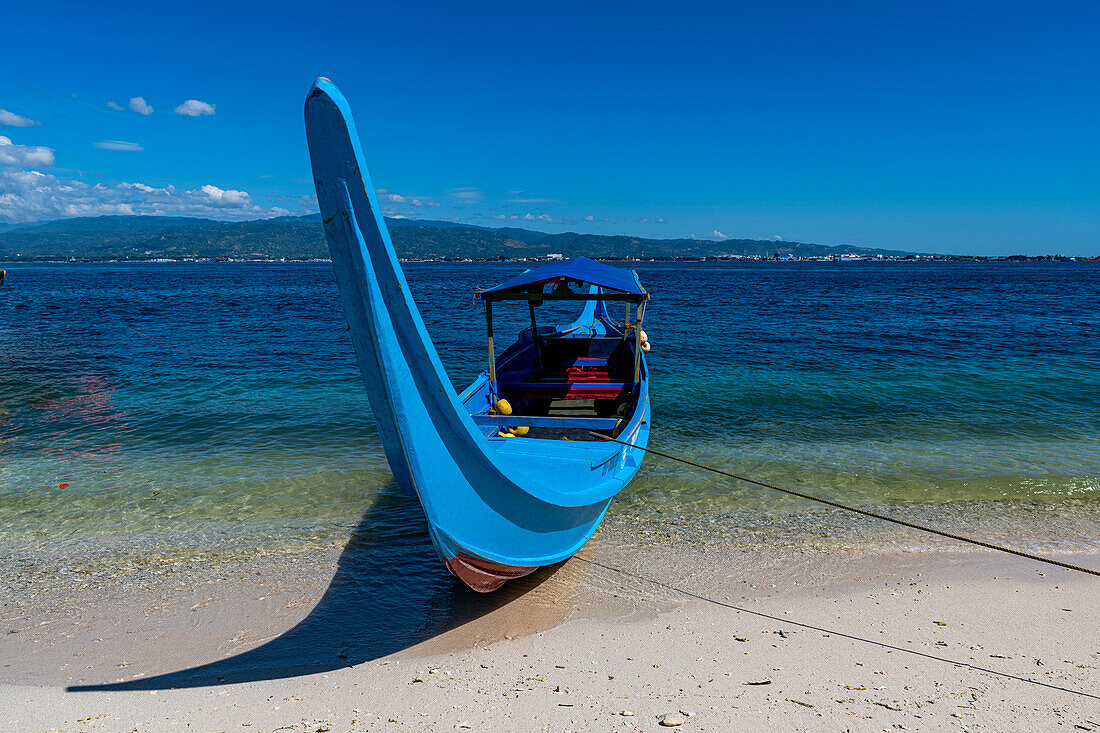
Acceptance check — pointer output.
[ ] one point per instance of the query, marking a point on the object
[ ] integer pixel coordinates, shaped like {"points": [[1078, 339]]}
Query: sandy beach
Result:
{"points": [[940, 639]]}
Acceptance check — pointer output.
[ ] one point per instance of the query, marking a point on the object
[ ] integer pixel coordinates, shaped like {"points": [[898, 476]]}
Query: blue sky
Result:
{"points": [[950, 127]]}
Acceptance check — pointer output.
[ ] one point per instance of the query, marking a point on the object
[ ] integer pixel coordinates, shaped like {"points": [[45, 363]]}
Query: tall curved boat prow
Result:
{"points": [[509, 477]]}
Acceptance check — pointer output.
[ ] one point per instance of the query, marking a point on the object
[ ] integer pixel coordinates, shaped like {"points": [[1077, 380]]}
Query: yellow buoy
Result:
{"points": [[645, 338], [502, 407], [520, 431], [646, 347], [503, 434]]}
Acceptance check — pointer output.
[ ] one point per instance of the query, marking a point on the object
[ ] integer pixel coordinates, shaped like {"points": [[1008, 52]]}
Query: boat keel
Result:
{"points": [[483, 576]]}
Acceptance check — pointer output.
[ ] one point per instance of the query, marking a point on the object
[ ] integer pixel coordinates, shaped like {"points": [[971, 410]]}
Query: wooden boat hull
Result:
{"points": [[496, 508]]}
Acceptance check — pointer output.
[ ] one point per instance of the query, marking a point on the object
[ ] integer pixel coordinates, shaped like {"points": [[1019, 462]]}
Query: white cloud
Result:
{"points": [[118, 145], [194, 108], [590, 217], [537, 217], [27, 195], [10, 119], [466, 194], [220, 197], [530, 201], [718, 235], [29, 156], [434, 204], [777, 238], [139, 105], [400, 203], [112, 105], [662, 220]]}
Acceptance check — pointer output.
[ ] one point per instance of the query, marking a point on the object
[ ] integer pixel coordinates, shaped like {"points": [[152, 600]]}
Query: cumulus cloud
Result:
{"points": [[27, 195], [10, 119], [389, 197], [224, 198], [777, 238], [139, 105], [118, 145], [24, 156], [401, 203], [719, 235], [590, 217], [194, 108]]}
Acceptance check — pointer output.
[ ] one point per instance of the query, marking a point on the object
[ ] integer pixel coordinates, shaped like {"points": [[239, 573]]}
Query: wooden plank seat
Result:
{"points": [[573, 374], [544, 421], [567, 390]]}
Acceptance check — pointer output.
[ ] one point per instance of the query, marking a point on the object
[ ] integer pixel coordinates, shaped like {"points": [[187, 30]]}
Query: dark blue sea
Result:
{"points": [[964, 394]]}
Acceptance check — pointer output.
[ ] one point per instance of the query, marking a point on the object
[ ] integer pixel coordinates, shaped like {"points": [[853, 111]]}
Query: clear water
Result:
{"points": [[958, 392]]}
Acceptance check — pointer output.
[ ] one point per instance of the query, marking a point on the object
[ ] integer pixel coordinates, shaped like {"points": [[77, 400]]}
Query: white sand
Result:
{"points": [[848, 642]]}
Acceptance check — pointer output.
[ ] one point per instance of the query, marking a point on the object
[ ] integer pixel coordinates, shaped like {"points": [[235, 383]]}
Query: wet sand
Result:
{"points": [[940, 639]]}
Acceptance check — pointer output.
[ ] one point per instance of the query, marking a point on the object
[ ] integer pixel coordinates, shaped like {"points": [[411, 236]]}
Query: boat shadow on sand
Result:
{"points": [[389, 592]]}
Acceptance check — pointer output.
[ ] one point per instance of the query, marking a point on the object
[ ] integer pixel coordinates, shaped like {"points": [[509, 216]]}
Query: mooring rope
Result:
{"points": [[173, 348], [857, 510]]}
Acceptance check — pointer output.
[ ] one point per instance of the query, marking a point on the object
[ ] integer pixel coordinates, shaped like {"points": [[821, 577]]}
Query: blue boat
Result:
{"points": [[508, 472]]}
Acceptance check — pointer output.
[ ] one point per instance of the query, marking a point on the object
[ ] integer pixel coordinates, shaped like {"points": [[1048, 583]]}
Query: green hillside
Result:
{"points": [[302, 237]]}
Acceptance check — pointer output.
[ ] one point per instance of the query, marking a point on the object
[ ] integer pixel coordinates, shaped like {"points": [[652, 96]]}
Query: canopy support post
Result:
{"points": [[535, 335], [637, 344], [626, 322], [492, 356]]}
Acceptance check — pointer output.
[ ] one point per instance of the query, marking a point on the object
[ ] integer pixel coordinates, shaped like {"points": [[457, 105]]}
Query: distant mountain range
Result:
{"points": [[302, 237]]}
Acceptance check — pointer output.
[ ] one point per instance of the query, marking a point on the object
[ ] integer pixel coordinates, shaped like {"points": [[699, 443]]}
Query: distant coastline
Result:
{"points": [[453, 260], [301, 238]]}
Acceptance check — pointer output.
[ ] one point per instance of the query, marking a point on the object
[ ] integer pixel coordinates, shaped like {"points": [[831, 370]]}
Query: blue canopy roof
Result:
{"points": [[576, 269]]}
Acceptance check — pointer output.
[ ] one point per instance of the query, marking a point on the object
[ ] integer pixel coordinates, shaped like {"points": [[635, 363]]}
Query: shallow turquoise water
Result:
{"points": [[926, 387]]}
